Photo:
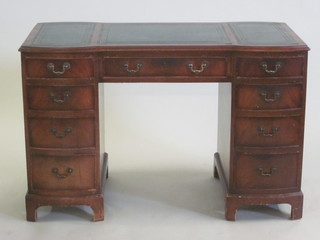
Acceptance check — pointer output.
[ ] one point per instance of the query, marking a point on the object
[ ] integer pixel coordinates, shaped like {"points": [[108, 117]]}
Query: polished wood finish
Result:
{"points": [[36, 67], [61, 97], [259, 173], [61, 133], [267, 132], [81, 177], [261, 70], [266, 96], [118, 67], [252, 66]]}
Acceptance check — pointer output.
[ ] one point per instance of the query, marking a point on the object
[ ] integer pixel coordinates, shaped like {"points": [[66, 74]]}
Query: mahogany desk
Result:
{"points": [[261, 69]]}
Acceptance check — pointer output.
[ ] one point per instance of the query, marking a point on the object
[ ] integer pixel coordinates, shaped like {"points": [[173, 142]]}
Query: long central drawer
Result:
{"points": [[132, 66]]}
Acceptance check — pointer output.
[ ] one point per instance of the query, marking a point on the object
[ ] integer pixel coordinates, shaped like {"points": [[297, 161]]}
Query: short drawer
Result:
{"points": [[121, 67], [259, 97], [267, 172], [272, 132], [63, 173], [60, 98], [59, 68], [270, 67], [62, 133]]}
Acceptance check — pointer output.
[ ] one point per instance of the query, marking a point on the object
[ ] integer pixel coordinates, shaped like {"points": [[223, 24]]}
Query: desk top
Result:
{"points": [[79, 36]]}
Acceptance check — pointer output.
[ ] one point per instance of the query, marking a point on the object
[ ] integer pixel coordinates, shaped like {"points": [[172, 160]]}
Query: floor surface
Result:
{"points": [[177, 202]]}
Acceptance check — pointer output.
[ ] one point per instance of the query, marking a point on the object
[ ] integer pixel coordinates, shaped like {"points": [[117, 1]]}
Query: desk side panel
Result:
{"points": [[224, 126], [101, 122]]}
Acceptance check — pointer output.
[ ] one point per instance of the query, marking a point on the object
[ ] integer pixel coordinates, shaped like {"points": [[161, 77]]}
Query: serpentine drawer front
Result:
{"points": [[267, 132], [264, 97], [64, 174], [261, 71], [61, 97], [59, 67], [267, 173], [61, 132], [269, 67]]}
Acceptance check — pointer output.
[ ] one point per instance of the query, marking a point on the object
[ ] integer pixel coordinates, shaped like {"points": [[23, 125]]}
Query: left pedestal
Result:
{"points": [[66, 163]]}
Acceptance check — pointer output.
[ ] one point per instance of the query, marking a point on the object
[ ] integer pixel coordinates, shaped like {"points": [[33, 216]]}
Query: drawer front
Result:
{"points": [[121, 67], [60, 98], [267, 67], [63, 173], [267, 172], [268, 132], [259, 97], [62, 133], [59, 68]]}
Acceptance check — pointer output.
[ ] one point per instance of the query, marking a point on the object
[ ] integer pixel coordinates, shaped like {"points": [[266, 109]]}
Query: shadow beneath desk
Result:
{"points": [[57, 213], [190, 192], [264, 212], [168, 193], [193, 191]]}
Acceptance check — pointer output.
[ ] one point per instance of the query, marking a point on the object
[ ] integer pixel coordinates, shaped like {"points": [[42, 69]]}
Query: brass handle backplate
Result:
{"points": [[265, 67], [66, 66], [62, 175], [53, 97], [274, 130], [270, 97], [138, 67], [67, 131], [266, 174], [203, 66]]}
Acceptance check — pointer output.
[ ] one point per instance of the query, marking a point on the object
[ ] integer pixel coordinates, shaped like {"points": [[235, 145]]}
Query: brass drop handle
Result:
{"points": [[270, 97], [274, 130], [67, 131], [62, 175], [266, 174], [138, 67], [53, 97], [66, 66], [203, 66], [265, 67]]}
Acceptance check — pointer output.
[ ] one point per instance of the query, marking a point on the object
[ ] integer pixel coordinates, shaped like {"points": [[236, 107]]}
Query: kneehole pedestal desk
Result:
{"points": [[261, 69]]}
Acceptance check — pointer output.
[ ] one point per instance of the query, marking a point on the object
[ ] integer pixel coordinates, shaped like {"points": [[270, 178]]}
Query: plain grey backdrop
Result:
{"points": [[160, 137]]}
